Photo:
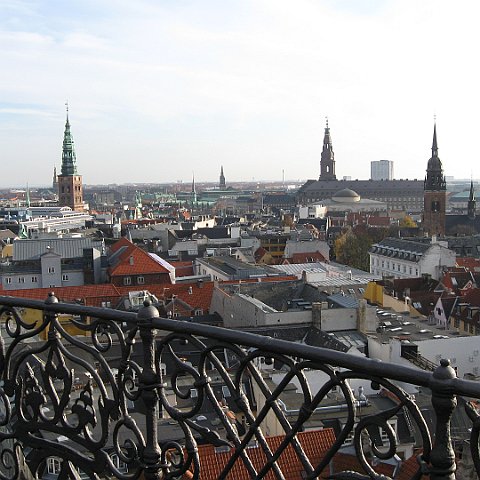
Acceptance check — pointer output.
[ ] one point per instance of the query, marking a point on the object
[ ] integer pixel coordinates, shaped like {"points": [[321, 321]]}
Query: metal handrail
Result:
{"points": [[29, 374]]}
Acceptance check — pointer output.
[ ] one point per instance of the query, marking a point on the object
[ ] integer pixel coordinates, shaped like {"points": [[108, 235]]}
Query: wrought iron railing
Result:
{"points": [[92, 406]]}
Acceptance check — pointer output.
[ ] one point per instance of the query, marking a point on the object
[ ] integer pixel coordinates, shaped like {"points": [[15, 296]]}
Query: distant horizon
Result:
{"points": [[215, 183]]}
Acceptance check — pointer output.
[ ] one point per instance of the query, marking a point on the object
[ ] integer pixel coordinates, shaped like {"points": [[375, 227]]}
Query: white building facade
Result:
{"points": [[401, 258]]}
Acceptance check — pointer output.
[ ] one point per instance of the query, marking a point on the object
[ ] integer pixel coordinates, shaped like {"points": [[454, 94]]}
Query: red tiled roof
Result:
{"points": [[343, 462], [199, 298], [314, 443], [306, 257], [134, 261], [183, 269], [470, 263], [472, 297], [92, 295]]}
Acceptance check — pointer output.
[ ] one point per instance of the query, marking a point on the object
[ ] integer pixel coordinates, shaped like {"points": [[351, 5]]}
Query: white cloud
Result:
{"points": [[246, 85]]}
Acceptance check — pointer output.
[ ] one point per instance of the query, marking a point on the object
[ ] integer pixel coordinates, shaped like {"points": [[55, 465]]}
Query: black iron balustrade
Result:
{"points": [[89, 430]]}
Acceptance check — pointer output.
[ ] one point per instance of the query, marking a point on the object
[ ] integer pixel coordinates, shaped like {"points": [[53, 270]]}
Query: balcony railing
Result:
{"points": [[109, 425]]}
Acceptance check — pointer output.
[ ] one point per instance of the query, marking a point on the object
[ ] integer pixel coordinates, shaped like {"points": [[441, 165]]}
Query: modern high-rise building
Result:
{"points": [[70, 188], [381, 170]]}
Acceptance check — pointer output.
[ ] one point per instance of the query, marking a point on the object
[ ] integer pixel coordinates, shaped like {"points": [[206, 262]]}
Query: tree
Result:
{"points": [[408, 222], [352, 249]]}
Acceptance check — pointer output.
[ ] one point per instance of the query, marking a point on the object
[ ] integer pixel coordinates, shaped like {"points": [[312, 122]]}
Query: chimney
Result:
{"points": [[131, 261], [317, 315], [200, 283]]}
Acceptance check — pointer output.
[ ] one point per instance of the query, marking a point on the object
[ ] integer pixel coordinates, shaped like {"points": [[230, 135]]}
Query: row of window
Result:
{"points": [[54, 465], [393, 266], [34, 278], [128, 280]]}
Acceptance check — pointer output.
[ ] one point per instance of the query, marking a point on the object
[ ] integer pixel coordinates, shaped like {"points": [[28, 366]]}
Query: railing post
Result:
{"points": [[442, 457], [149, 380], [52, 332]]}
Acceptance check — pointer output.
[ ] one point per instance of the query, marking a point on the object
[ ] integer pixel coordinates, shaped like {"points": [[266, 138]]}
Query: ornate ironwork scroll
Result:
{"points": [[131, 398]]}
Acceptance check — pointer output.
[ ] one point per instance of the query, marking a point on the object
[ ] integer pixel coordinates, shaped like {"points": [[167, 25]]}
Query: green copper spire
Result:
{"points": [[69, 161], [28, 196]]}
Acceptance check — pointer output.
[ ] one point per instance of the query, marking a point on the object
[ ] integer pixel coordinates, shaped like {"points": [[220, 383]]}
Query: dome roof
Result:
{"points": [[346, 196]]}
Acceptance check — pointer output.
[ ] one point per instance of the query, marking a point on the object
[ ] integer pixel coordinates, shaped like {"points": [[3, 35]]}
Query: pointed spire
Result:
{"points": [[434, 142], [28, 196], [435, 179], [194, 191], [327, 140], [472, 203], [69, 161], [327, 159], [55, 180], [222, 179]]}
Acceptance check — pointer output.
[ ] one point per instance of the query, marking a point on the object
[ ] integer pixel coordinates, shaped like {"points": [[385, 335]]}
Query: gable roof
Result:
{"points": [[91, 295], [315, 444], [198, 296], [128, 259], [308, 257]]}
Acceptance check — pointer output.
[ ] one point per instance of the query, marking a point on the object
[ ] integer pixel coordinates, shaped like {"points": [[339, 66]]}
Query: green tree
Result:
{"points": [[407, 221], [352, 249]]}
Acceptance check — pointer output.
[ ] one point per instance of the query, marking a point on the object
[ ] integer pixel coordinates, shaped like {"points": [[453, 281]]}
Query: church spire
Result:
{"points": [[27, 196], [194, 190], [434, 179], [434, 193], [327, 160], [434, 142], [69, 160], [222, 179], [55, 180], [472, 203]]}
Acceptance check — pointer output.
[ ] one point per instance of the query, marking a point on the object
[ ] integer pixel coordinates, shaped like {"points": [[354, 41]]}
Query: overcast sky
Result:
{"points": [[160, 89]]}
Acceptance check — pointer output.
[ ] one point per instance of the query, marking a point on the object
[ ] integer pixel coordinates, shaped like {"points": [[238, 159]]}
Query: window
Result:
{"points": [[226, 392], [65, 277], [54, 465], [119, 465], [127, 280], [51, 269], [140, 280], [21, 279], [8, 280], [106, 304], [198, 312], [34, 279]]}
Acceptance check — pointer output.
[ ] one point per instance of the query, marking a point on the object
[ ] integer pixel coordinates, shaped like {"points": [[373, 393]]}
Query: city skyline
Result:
{"points": [[159, 90]]}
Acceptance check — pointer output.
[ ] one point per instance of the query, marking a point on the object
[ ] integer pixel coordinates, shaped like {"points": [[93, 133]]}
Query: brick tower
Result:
{"points": [[434, 193], [70, 189]]}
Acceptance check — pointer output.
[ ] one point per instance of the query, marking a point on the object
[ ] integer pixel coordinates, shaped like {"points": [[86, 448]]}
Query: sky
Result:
{"points": [[161, 90]]}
